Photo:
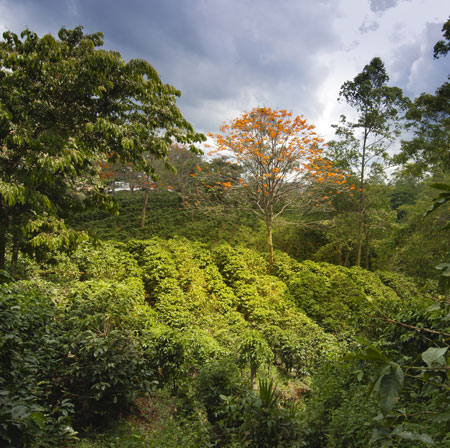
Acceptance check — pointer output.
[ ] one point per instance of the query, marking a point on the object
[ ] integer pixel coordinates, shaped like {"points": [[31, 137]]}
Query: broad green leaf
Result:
{"points": [[389, 389], [379, 434], [445, 268], [38, 418], [433, 355], [409, 435], [435, 307], [19, 411], [372, 353]]}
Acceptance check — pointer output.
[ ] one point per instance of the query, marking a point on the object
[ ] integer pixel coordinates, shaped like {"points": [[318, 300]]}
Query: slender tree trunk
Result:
{"points": [[339, 256], [269, 243], [253, 376], [14, 255], [360, 228], [2, 247], [144, 206], [347, 256], [361, 220], [366, 250]]}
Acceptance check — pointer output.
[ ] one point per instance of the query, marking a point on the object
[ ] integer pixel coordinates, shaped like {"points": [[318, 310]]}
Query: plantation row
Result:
{"points": [[211, 349]]}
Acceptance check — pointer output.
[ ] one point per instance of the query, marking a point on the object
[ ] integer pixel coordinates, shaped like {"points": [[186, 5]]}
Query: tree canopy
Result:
{"points": [[66, 104], [280, 157], [365, 140]]}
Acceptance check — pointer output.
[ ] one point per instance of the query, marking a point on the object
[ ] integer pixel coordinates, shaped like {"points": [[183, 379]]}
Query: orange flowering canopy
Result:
{"points": [[279, 154], [270, 161]]}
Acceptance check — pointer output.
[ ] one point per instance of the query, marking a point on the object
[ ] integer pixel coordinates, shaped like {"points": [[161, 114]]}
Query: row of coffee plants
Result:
{"points": [[247, 358]]}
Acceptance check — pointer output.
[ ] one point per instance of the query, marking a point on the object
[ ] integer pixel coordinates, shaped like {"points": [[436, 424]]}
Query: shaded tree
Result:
{"points": [[366, 140], [65, 105]]}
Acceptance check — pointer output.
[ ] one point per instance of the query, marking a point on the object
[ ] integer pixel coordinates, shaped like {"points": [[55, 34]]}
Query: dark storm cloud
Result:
{"points": [[229, 55], [240, 54]]}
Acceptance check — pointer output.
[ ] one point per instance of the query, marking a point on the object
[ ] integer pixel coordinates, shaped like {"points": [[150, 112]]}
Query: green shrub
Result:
{"points": [[336, 387], [253, 351], [239, 265], [32, 344], [167, 351], [352, 423], [105, 260], [106, 365], [343, 301], [405, 287], [77, 360], [218, 378], [260, 419]]}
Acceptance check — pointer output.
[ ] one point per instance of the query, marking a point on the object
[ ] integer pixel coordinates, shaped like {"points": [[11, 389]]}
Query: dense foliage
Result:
{"points": [[88, 105], [175, 328], [90, 334]]}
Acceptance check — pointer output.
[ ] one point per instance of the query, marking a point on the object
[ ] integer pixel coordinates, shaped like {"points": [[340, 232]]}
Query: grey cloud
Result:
{"points": [[414, 67], [404, 58], [236, 54], [225, 56], [382, 5], [368, 26], [214, 51]]}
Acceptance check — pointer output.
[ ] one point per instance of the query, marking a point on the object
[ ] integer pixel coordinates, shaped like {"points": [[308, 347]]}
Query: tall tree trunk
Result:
{"points": [[2, 247], [339, 256], [366, 250], [253, 376], [144, 206], [14, 255], [347, 257], [360, 240], [269, 243], [361, 220]]}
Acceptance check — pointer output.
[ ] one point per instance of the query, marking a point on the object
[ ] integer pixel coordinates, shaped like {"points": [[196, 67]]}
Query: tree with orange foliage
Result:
{"points": [[281, 158]]}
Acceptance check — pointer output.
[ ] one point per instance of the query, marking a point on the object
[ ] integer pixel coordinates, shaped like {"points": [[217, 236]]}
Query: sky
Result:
{"points": [[228, 56]]}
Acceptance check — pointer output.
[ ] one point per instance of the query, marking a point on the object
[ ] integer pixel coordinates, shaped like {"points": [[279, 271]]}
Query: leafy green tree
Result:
{"points": [[365, 141], [428, 152], [418, 340], [420, 242], [342, 229], [442, 47], [429, 119], [65, 105]]}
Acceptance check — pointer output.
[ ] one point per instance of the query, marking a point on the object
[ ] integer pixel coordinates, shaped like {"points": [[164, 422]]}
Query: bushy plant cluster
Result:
{"points": [[344, 301], [228, 291], [70, 358], [89, 333], [168, 218], [391, 392]]}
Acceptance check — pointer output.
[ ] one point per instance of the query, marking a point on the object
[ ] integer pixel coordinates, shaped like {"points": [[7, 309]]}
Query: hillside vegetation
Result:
{"points": [[287, 294], [191, 346]]}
